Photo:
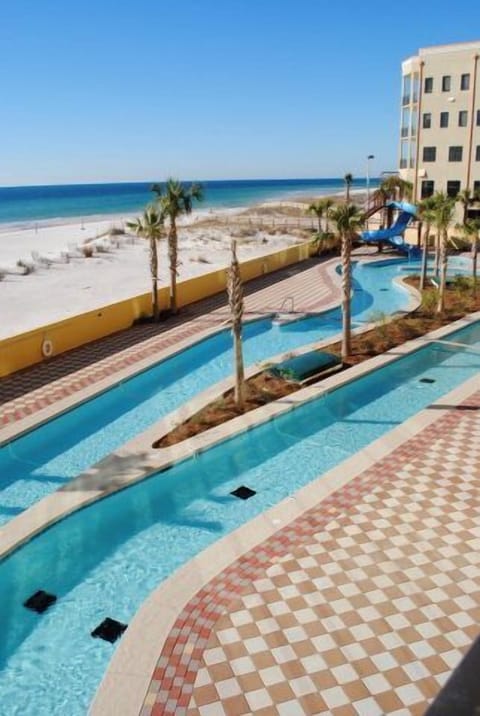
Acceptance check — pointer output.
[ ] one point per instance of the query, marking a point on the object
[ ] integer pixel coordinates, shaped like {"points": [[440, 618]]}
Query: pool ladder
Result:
{"points": [[285, 301]]}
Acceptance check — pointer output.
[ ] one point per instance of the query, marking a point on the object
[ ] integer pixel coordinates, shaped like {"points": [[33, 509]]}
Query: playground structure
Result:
{"points": [[394, 236]]}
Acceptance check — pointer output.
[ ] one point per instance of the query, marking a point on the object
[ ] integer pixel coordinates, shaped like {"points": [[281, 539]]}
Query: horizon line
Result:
{"points": [[163, 181]]}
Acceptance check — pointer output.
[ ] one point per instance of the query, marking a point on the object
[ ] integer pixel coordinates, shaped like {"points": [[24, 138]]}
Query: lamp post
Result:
{"points": [[369, 157]]}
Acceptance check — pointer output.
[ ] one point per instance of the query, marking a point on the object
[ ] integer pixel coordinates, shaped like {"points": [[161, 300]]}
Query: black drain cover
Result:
{"points": [[40, 601], [243, 492], [109, 630], [427, 380]]}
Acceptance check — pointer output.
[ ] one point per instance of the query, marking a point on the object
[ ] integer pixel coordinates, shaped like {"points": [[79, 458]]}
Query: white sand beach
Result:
{"points": [[65, 283]]}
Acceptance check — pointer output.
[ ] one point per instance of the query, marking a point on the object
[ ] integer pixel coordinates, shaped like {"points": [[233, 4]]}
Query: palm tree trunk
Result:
{"points": [[437, 253], [443, 272], [239, 369], [154, 275], [474, 264], [346, 296], [384, 217], [173, 260], [423, 273], [319, 217], [389, 216], [348, 194], [235, 298]]}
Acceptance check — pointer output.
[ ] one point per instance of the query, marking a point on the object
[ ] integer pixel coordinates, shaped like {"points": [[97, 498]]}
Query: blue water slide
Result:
{"points": [[395, 234]]}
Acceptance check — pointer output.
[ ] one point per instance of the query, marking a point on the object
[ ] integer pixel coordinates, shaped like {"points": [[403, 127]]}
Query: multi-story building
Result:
{"points": [[440, 120]]}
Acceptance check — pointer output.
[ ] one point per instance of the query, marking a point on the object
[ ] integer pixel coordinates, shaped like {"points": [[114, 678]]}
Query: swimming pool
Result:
{"points": [[49, 456], [104, 560]]}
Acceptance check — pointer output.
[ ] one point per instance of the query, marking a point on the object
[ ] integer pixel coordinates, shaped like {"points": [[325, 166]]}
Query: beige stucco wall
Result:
{"points": [[452, 60]]}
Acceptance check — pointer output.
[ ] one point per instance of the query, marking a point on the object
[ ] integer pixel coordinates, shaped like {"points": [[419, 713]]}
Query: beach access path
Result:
{"points": [[311, 282]]}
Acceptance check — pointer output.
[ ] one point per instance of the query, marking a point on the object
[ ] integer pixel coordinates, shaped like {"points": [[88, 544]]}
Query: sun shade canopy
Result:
{"points": [[304, 366]]}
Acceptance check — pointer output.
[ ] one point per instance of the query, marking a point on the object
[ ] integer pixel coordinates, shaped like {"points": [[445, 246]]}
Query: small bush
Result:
{"points": [[87, 251], [381, 322], [117, 231], [462, 283], [430, 300]]}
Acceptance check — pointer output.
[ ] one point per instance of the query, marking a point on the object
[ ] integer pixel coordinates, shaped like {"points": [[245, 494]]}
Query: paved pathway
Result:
{"points": [[362, 606], [32, 389]]}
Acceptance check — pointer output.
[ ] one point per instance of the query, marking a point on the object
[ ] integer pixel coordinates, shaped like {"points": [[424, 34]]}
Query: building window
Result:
{"points": [[476, 187], [477, 153], [407, 86], [428, 187], [443, 120], [446, 83], [465, 82], [453, 188], [428, 85], [429, 154], [415, 87], [427, 120], [455, 154], [405, 122], [413, 154], [404, 147], [478, 117], [462, 118]]}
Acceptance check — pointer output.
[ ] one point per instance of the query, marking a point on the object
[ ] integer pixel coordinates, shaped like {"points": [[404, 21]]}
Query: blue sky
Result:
{"points": [[106, 90]]}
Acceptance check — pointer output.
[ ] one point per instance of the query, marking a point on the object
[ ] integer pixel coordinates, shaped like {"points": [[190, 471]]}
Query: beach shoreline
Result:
{"points": [[64, 282]]}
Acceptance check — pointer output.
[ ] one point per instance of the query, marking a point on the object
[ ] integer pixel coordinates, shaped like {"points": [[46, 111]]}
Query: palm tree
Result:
{"points": [[466, 199], [317, 208], [174, 200], [471, 230], [348, 219], [397, 189], [348, 179], [235, 299], [444, 210], [427, 215], [380, 197], [394, 188], [327, 205], [405, 190], [150, 226]]}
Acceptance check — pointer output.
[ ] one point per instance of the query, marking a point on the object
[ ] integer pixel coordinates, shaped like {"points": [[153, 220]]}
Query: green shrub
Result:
{"points": [[430, 300], [462, 283]]}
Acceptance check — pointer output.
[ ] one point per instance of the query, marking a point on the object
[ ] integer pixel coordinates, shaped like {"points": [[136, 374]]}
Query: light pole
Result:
{"points": [[369, 157]]}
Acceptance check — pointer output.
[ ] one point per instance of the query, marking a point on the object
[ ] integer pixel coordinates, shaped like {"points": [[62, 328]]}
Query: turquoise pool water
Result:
{"points": [[104, 560], [51, 455]]}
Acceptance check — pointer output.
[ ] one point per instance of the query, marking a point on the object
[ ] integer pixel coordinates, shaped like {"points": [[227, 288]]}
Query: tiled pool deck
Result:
{"points": [[363, 605]]}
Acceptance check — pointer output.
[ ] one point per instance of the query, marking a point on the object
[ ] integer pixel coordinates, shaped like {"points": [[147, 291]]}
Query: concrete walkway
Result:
{"points": [[312, 283], [362, 606]]}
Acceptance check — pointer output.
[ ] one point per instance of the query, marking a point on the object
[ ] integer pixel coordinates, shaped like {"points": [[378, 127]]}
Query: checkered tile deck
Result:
{"points": [[35, 388], [362, 606]]}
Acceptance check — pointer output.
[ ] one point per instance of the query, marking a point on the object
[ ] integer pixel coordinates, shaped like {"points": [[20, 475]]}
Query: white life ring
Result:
{"points": [[47, 348]]}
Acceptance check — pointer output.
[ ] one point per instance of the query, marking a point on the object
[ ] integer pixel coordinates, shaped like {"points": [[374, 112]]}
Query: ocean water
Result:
{"points": [[27, 204]]}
